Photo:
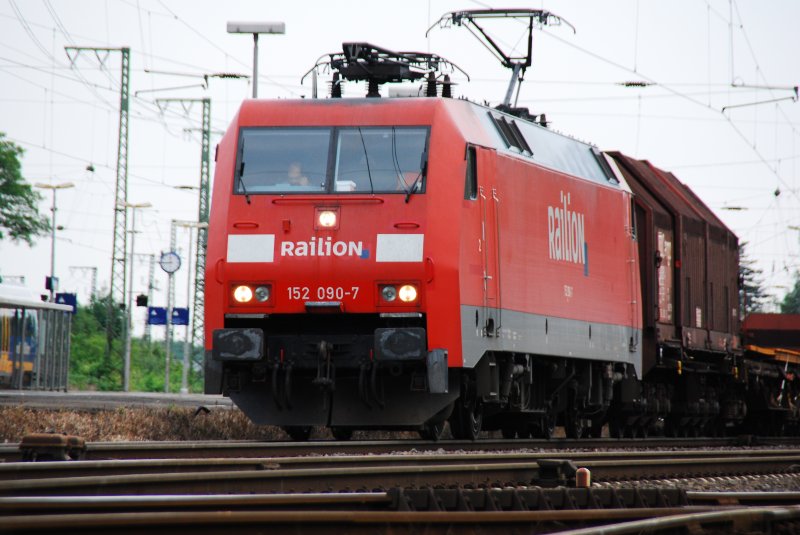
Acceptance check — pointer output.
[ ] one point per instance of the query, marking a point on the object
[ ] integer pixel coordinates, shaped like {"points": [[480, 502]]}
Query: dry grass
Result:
{"points": [[174, 423]]}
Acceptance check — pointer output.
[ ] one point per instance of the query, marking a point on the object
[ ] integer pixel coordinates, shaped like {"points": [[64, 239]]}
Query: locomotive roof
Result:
{"points": [[477, 124]]}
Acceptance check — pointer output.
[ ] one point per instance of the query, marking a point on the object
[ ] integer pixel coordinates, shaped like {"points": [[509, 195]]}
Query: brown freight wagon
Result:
{"points": [[689, 264], [773, 331]]}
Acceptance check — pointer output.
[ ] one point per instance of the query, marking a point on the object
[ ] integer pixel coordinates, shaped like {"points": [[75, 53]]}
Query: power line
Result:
{"points": [[681, 95], [25, 26]]}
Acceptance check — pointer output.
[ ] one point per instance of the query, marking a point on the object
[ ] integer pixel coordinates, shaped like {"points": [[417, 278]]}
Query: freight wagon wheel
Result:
{"points": [[342, 433], [573, 423], [298, 433], [509, 431], [615, 429], [547, 425], [595, 428], [525, 431], [574, 426]]}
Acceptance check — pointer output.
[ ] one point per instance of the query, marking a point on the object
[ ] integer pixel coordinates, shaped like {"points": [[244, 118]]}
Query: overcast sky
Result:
{"points": [[699, 56]]}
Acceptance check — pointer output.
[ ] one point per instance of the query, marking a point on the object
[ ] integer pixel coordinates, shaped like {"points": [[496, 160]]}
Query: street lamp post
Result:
{"points": [[256, 28], [126, 371], [54, 188]]}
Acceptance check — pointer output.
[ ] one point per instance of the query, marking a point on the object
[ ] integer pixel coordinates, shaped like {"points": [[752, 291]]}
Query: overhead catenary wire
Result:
{"points": [[144, 110], [681, 95]]}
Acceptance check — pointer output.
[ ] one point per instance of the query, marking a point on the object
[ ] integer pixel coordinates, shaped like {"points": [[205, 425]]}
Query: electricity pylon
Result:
{"points": [[119, 254], [202, 214]]}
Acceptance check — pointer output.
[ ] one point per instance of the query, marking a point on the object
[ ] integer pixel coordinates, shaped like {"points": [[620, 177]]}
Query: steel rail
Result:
{"points": [[52, 469], [348, 474], [327, 500], [636, 469], [325, 521], [743, 498], [741, 517], [186, 449], [279, 480]]}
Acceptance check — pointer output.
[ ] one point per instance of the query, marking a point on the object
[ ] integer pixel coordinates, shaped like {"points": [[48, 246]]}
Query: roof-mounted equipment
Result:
{"points": [[374, 65], [517, 63]]}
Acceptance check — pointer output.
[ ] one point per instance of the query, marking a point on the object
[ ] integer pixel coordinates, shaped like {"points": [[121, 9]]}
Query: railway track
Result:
{"points": [[240, 449], [398, 511], [604, 462], [333, 487], [369, 472]]}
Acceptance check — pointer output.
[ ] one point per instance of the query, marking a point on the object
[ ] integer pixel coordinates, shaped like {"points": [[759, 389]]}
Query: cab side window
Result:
{"points": [[471, 180]]}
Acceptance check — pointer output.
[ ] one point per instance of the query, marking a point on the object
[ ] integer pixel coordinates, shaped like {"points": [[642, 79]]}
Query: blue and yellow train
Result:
{"points": [[34, 340]]}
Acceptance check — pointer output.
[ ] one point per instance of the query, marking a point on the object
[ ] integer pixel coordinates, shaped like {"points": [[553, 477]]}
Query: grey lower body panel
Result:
{"points": [[536, 334]]}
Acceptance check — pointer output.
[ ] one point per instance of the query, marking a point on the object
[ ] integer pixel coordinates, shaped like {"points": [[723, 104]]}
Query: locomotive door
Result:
{"points": [[489, 201]]}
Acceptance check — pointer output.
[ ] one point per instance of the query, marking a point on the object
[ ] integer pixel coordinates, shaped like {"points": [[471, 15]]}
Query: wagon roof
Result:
{"points": [[667, 189]]}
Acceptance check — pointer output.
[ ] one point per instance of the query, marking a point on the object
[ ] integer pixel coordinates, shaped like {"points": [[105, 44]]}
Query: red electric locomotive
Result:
{"points": [[395, 263]]}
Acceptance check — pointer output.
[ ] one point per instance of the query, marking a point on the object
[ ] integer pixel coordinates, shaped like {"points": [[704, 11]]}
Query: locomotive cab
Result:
{"points": [[325, 282]]}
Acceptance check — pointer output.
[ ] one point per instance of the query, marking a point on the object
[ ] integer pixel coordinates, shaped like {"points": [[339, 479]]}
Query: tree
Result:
{"points": [[89, 369], [791, 301], [19, 212], [752, 296]]}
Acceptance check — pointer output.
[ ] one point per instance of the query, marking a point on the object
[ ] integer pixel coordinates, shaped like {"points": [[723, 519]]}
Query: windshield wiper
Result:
{"points": [[413, 187], [366, 160], [241, 173], [423, 170], [241, 183]]}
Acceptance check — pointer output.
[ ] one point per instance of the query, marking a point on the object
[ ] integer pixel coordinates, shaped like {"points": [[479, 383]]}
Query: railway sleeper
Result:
{"points": [[533, 499], [52, 447]]}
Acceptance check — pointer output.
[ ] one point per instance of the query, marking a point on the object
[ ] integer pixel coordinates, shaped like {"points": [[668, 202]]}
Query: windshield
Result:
{"points": [[283, 159], [300, 160]]}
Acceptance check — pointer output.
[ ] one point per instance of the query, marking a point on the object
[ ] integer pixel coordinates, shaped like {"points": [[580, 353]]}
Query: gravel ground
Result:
{"points": [[754, 483]]}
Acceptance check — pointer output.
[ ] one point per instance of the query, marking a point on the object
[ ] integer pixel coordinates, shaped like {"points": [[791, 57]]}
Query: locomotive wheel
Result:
{"points": [[342, 433], [432, 431], [298, 433], [466, 421]]}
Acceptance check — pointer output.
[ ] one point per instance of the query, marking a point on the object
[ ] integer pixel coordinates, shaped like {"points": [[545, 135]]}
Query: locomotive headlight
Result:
{"points": [[262, 293], [407, 293], [243, 294], [327, 219], [389, 293]]}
